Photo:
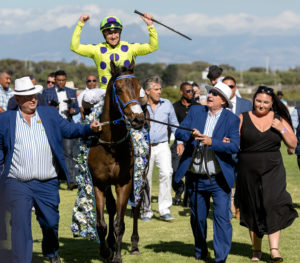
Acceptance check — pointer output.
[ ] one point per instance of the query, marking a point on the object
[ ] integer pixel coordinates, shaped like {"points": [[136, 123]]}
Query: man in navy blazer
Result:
{"points": [[209, 169], [65, 100], [31, 161]]}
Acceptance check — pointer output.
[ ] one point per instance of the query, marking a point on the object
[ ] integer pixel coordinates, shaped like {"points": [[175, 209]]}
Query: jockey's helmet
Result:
{"points": [[111, 23]]}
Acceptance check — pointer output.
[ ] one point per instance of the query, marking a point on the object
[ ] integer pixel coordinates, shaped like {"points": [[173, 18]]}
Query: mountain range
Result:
{"points": [[241, 51]]}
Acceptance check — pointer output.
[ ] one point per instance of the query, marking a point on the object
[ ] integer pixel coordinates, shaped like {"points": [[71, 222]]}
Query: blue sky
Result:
{"points": [[216, 7], [190, 16]]}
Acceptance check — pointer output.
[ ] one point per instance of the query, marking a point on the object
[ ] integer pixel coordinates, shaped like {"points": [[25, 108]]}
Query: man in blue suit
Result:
{"points": [[66, 102], [239, 105], [209, 168], [31, 161]]}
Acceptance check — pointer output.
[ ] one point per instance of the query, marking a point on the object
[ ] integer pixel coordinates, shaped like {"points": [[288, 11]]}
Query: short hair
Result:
{"points": [[147, 85], [194, 84], [229, 78], [60, 73], [279, 93], [51, 75], [214, 72], [90, 75], [185, 83], [4, 72]]}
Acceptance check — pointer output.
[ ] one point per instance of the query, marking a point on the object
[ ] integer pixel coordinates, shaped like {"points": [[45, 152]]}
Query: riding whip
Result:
{"points": [[141, 14], [171, 125]]}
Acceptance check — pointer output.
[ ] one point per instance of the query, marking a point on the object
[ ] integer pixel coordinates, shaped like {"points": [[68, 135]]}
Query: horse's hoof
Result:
{"points": [[117, 260], [135, 251], [107, 254]]}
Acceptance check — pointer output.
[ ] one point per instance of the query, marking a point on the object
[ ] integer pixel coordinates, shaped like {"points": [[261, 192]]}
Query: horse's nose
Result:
{"points": [[138, 121]]}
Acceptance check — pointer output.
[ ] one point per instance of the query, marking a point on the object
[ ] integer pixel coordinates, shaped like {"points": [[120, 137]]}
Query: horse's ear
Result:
{"points": [[113, 68], [131, 66]]}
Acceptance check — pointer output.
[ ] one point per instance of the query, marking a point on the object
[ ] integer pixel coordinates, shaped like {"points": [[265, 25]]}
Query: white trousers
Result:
{"points": [[161, 156]]}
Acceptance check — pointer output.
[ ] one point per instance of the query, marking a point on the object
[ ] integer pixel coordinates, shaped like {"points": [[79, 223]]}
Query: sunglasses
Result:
{"points": [[189, 91], [214, 93], [231, 86], [263, 89], [52, 82], [91, 80]]}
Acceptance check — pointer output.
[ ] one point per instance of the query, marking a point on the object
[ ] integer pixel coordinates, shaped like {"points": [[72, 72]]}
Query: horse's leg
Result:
{"points": [[111, 210], [101, 225], [123, 193], [135, 235]]}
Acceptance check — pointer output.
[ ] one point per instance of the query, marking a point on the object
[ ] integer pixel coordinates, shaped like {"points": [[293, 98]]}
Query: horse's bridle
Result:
{"points": [[116, 99], [121, 106]]}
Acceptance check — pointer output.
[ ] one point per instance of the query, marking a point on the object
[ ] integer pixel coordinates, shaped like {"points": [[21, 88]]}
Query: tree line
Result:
{"points": [[171, 74]]}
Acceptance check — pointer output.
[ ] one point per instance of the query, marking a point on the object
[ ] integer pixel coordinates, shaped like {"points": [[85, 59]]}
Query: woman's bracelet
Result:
{"points": [[283, 130]]}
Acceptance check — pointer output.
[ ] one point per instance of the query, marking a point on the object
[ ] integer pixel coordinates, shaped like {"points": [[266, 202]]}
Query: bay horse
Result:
{"points": [[111, 161]]}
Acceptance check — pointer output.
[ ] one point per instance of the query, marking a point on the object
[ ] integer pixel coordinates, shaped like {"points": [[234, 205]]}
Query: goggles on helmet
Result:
{"points": [[111, 23]]}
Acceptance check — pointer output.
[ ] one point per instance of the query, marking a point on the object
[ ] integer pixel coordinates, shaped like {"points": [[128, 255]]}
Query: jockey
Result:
{"points": [[121, 52]]}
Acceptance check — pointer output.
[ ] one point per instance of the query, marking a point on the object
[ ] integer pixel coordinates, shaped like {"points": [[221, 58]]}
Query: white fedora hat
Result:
{"points": [[24, 86], [224, 90]]}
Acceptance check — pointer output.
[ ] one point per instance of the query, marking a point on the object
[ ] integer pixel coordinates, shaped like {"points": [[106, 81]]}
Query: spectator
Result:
{"points": [[214, 74], [5, 91], [65, 100], [121, 52], [207, 165], [13, 105], [239, 105], [280, 97], [265, 205], [296, 125], [181, 108], [162, 110], [33, 80], [51, 80], [91, 84], [33, 156]]}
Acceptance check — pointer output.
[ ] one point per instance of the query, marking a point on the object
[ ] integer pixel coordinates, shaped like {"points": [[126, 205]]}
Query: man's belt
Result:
{"points": [[156, 143]]}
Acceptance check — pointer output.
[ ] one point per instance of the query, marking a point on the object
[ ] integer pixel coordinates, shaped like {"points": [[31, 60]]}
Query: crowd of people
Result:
{"points": [[226, 139]]}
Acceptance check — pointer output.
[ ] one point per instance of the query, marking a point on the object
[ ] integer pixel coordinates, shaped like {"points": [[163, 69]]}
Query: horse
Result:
{"points": [[111, 161]]}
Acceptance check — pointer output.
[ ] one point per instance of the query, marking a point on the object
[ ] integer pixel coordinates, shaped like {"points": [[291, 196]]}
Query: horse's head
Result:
{"points": [[126, 94]]}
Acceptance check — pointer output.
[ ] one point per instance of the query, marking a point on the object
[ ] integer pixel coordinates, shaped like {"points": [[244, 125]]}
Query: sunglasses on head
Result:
{"points": [[52, 82], [264, 89], [214, 93], [91, 80]]}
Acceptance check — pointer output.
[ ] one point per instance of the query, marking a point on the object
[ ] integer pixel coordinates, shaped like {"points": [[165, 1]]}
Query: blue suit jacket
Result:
{"points": [[227, 126], [56, 127], [51, 95], [242, 105]]}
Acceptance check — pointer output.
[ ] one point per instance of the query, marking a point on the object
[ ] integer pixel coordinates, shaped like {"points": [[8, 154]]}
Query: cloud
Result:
{"points": [[15, 21]]}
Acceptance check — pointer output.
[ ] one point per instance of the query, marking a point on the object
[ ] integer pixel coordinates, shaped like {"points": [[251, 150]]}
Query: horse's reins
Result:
{"points": [[121, 106]]}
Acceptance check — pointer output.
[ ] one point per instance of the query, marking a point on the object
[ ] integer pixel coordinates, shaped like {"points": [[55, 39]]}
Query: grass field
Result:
{"points": [[171, 241]]}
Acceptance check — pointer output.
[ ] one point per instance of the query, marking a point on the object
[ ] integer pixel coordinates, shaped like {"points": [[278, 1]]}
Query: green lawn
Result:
{"points": [[172, 241]]}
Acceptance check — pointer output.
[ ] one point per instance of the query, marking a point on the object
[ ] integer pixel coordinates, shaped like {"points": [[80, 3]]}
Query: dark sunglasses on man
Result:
{"points": [[189, 91], [91, 80], [49, 81], [214, 93]]}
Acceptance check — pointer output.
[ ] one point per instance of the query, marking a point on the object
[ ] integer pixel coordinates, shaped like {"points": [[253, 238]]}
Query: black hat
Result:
{"points": [[214, 72]]}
